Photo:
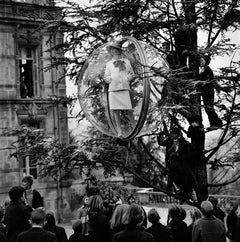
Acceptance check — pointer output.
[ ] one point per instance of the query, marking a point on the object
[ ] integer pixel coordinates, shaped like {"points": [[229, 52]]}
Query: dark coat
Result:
{"points": [[3, 237], [179, 230], [209, 229], [98, 224], [59, 232], [37, 199], [77, 238], [133, 235], [160, 233], [36, 235], [16, 219], [232, 224]]}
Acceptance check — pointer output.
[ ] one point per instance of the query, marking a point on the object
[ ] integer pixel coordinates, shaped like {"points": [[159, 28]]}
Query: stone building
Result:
{"points": [[26, 89]]}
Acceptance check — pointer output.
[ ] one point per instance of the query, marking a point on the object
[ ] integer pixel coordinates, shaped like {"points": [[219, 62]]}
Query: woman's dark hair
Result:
{"points": [[174, 212], [153, 216], [135, 216], [183, 213], [95, 205], [28, 179], [50, 223]]}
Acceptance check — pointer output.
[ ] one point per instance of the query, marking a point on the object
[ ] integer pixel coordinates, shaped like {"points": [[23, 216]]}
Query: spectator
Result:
{"points": [[17, 214], [3, 231], [82, 215], [177, 227], [33, 197], [218, 212], [195, 214], [208, 228], [130, 200], [2, 225], [36, 233], [160, 232], [134, 231], [206, 88], [232, 223], [77, 236], [51, 226], [99, 222], [118, 220]]}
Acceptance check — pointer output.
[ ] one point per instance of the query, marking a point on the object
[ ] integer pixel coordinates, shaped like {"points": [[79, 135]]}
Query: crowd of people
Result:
{"points": [[123, 221]]}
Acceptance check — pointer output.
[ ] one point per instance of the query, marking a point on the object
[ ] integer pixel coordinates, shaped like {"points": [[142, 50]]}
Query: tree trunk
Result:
{"points": [[199, 169]]}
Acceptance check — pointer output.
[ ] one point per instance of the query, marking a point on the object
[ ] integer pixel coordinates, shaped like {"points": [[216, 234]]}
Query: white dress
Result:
{"points": [[118, 74]]}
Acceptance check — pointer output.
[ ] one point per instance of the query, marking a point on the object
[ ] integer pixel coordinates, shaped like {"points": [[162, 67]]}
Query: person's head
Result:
{"points": [[153, 216], [234, 206], [213, 200], [195, 214], [174, 211], [95, 205], [131, 199], [196, 120], [166, 46], [207, 208], [86, 201], [205, 60], [16, 194], [38, 217], [77, 227], [119, 218], [27, 182], [50, 219], [183, 213], [135, 216], [175, 132], [114, 49]]}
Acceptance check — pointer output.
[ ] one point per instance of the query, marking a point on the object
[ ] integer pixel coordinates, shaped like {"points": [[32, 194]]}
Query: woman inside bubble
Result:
{"points": [[118, 74]]}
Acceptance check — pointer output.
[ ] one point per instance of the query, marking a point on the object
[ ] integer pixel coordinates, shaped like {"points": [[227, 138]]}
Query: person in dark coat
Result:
{"points": [[177, 227], [77, 236], [208, 228], [17, 214], [36, 233], [99, 230], [134, 231], [51, 226], [217, 212], [32, 195], [160, 232], [206, 88], [232, 223]]}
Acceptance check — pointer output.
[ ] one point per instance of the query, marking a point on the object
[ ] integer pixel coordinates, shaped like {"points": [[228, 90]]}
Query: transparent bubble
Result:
{"points": [[114, 89]]}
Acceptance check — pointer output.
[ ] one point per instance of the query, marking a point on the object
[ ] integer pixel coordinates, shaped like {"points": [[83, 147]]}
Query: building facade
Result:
{"points": [[27, 88]]}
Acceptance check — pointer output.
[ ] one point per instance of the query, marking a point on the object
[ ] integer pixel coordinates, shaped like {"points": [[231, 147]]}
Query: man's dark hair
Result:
{"points": [[15, 193], [207, 59], [38, 216]]}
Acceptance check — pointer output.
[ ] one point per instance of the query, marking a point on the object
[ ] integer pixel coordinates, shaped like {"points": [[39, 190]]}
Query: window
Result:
{"points": [[28, 72], [30, 166]]}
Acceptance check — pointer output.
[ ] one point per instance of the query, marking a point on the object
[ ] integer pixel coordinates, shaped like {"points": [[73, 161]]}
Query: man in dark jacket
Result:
{"points": [[17, 214], [208, 228], [206, 88], [36, 233], [160, 232]]}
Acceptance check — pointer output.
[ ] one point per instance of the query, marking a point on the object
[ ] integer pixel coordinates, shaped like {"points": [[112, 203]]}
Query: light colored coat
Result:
{"points": [[118, 76]]}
